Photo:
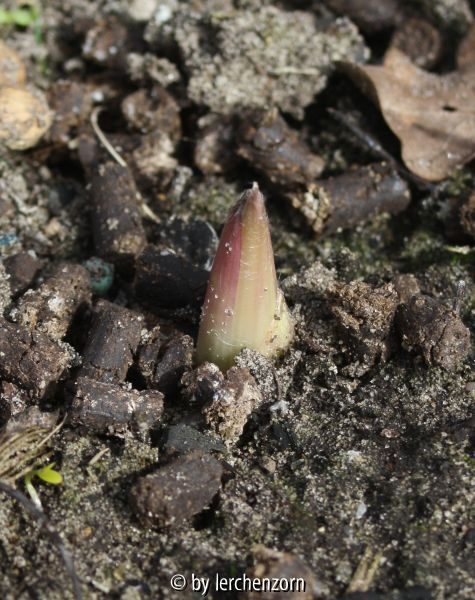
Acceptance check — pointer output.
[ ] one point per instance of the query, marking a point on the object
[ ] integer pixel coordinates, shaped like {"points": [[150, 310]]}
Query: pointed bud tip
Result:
{"points": [[253, 199], [244, 307], [255, 193]]}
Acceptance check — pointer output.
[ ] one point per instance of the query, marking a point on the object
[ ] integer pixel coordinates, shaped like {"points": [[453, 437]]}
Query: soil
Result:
{"points": [[351, 456]]}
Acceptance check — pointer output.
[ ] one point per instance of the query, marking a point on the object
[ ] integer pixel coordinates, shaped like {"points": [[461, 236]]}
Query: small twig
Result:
{"points": [[22, 207], [280, 405], [104, 141], [278, 385], [376, 148], [148, 213], [363, 136], [365, 571], [293, 71], [52, 533], [97, 457], [459, 295], [52, 432]]}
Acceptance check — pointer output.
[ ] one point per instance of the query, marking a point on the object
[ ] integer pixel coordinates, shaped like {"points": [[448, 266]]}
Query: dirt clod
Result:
{"points": [[232, 404], [31, 359], [274, 149], [224, 57], [371, 16], [349, 199], [162, 363], [112, 341], [109, 408], [52, 307], [117, 225], [365, 316], [435, 331], [200, 385], [22, 269], [165, 279], [177, 491]]}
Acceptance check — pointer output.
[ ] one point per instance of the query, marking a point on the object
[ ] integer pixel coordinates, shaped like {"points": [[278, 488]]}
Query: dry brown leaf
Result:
{"points": [[432, 115], [466, 50]]}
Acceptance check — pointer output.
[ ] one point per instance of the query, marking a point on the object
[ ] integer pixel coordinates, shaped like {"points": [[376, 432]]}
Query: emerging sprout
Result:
{"points": [[244, 307], [46, 474]]}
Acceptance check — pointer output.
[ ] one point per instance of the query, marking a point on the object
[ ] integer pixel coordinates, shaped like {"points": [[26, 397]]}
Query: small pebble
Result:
{"points": [[22, 269], [101, 273], [24, 117]]}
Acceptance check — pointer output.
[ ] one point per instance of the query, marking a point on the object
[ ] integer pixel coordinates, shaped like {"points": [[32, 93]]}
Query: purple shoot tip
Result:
{"points": [[243, 307]]}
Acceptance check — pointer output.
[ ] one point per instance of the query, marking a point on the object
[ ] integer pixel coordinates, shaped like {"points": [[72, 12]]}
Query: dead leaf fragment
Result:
{"points": [[432, 115], [466, 50], [12, 69], [420, 41]]}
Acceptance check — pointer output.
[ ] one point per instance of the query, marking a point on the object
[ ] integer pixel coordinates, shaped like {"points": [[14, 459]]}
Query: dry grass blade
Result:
{"points": [[104, 141], [21, 450], [51, 532], [366, 571]]}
